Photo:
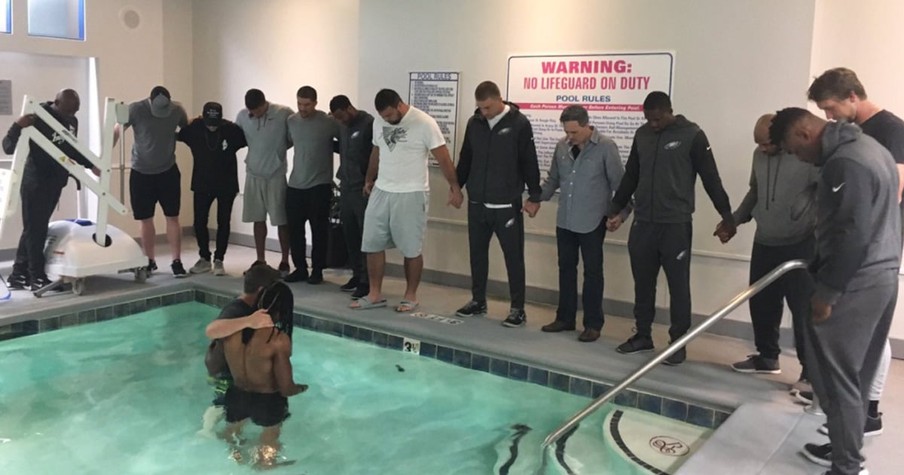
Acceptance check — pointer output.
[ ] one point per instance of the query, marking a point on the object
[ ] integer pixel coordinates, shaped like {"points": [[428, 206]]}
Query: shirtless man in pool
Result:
{"points": [[262, 375]]}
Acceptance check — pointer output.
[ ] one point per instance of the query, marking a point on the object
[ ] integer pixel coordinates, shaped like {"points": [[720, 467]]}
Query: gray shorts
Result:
{"points": [[395, 220], [264, 196]]}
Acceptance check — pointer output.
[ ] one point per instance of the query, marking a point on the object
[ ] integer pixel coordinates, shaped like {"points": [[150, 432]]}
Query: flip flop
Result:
{"points": [[407, 306], [364, 303]]}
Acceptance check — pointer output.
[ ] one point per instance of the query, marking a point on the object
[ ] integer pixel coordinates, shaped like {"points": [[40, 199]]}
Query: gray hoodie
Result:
{"points": [[779, 199], [858, 240]]}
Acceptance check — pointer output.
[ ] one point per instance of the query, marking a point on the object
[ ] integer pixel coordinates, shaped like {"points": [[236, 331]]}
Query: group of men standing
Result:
{"points": [[837, 207]]}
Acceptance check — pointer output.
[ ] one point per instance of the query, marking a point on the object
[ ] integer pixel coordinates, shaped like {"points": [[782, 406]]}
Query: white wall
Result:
{"points": [[276, 46], [729, 69], [129, 61], [864, 35]]}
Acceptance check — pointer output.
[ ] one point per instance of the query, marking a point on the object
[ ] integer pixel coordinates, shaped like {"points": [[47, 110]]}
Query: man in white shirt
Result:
{"points": [[396, 214]]}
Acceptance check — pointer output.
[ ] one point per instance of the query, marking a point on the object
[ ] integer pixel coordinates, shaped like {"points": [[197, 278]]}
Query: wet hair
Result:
{"points": [[487, 90], [836, 83], [158, 90], [279, 302], [306, 92], [387, 98], [657, 101], [259, 276], [340, 102], [783, 121], [254, 98], [575, 113]]}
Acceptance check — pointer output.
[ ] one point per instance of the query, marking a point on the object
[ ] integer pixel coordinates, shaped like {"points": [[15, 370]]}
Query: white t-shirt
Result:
{"points": [[405, 150]]}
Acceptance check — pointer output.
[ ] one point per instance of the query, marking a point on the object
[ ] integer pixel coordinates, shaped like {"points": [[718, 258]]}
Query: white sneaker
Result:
{"points": [[218, 268], [200, 267]]}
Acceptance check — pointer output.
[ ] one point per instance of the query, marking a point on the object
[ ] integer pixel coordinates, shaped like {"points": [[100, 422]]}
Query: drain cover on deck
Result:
{"points": [[656, 443]]}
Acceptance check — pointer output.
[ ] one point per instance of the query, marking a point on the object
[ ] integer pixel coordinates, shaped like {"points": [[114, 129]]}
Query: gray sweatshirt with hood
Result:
{"points": [[858, 239], [780, 199]]}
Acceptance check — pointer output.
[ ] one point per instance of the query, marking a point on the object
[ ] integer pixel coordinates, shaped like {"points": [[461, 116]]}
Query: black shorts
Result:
{"points": [[265, 410], [148, 190]]}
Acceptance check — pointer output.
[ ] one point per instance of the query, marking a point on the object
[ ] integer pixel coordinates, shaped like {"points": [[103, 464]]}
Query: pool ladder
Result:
{"points": [[675, 346]]}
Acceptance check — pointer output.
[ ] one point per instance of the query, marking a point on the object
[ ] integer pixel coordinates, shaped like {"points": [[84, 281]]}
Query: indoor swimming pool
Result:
{"points": [[126, 396]]}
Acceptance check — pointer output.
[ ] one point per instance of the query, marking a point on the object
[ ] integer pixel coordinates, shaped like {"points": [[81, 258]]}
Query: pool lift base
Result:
{"points": [[77, 249]]}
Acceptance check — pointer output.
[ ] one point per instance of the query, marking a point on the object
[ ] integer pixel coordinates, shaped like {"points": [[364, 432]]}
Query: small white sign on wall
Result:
{"points": [[436, 93]]}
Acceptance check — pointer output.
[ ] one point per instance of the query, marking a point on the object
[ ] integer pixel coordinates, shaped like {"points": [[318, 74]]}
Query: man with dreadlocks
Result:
{"points": [[262, 374]]}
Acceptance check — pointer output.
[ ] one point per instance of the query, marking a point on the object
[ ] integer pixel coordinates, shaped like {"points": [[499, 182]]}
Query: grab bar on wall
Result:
{"points": [[677, 345]]}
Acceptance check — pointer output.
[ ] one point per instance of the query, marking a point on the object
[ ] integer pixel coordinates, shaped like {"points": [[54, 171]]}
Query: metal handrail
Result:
{"points": [[675, 346]]}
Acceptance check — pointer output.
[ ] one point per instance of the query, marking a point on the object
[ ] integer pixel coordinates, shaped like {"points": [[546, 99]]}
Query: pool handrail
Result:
{"points": [[742, 297]]}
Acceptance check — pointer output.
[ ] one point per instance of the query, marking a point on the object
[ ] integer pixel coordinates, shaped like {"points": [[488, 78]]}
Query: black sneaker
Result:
{"points": [[821, 454], [18, 281], [40, 282], [178, 269], [818, 454], [756, 364], [636, 344], [283, 269], [473, 309], [516, 318], [677, 357], [316, 277], [361, 291], [805, 397], [872, 426], [350, 286], [297, 276], [152, 266]]}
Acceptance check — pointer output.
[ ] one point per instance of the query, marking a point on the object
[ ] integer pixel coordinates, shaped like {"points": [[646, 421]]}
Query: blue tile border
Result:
{"points": [[657, 404]]}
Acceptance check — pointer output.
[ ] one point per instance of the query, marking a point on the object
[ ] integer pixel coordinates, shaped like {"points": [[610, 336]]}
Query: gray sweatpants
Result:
{"points": [[845, 351]]}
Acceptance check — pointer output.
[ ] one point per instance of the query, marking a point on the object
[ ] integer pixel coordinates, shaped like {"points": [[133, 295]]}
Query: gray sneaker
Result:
{"points": [[200, 267], [218, 268]]}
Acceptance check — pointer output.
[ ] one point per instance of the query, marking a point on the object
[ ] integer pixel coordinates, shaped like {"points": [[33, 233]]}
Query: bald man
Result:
{"points": [[43, 180], [779, 199], [855, 269]]}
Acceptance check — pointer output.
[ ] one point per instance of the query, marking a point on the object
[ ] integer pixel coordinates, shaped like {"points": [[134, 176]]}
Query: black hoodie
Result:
{"points": [[496, 164], [40, 166], [662, 170]]}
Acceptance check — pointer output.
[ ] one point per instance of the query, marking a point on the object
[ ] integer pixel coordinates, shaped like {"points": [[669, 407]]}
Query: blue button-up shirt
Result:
{"points": [[586, 182]]}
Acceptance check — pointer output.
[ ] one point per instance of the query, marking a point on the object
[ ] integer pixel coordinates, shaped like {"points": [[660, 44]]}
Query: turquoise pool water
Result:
{"points": [[126, 397]]}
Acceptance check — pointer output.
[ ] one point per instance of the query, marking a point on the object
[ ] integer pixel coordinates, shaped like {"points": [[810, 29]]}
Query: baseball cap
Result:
{"points": [[212, 114]]}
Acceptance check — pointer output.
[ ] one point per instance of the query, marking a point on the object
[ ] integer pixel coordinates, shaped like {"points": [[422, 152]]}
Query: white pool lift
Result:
{"points": [[77, 249]]}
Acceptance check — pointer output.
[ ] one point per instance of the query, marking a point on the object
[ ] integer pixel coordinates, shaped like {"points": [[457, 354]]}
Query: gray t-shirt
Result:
{"points": [[312, 139], [267, 139], [154, 149]]}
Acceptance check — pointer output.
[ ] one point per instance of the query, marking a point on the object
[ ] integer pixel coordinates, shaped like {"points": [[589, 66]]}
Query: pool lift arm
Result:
{"points": [[77, 249]]}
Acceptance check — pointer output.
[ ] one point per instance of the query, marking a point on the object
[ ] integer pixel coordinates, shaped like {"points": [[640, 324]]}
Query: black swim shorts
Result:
{"points": [[265, 410]]}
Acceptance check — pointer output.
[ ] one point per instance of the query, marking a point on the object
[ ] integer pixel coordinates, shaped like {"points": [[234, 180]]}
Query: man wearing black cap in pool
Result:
{"points": [[213, 141], [155, 176]]}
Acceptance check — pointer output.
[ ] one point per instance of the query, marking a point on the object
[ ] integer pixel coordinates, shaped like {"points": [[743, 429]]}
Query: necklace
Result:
{"points": [[216, 142]]}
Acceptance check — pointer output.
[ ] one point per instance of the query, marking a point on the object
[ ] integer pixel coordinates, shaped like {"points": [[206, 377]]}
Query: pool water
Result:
{"points": [[126, 397]]}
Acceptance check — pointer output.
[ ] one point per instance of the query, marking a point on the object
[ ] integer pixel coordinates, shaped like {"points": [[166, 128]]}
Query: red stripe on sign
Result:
{"points": [[589, 107]]}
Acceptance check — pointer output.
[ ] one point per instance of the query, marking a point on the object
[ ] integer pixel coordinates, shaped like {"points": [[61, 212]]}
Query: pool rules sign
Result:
{"points": [[611, 87], [436, 93]]}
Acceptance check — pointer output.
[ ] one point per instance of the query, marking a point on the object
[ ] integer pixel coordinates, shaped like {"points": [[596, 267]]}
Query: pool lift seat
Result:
{"points": [[77, 249]]}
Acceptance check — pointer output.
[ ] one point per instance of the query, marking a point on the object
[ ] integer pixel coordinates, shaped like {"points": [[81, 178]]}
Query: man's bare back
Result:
{"points": [[261, 366]]}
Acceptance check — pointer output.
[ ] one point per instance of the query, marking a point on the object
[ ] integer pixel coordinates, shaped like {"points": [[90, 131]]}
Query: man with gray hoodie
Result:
{"points": [[779, 199], [668, 153], [858, 251]]}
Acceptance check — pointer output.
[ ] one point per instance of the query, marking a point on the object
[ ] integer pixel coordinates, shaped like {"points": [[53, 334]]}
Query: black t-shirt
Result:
{"points": [[235, 309], [215, 169], [888, 130]]}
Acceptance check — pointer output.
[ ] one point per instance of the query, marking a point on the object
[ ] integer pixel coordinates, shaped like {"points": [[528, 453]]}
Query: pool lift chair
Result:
{"points": [[77, 248]]}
